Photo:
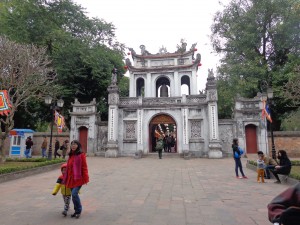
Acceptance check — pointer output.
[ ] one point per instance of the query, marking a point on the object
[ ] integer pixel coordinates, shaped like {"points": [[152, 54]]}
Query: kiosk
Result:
{"points": [[17, 141]]}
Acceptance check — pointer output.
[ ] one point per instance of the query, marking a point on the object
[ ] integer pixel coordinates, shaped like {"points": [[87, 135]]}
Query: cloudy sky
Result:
{"points": [[158, 23]]}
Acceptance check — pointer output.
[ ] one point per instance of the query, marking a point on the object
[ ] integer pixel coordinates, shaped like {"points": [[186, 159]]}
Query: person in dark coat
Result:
{"points": [[284, 166], [56, 148], [28, 147]]}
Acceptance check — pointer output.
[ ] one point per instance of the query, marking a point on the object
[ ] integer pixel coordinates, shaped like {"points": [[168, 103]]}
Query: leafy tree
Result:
{"points": [[257, 39], [83, 50], [25, 74], [124, 86]]}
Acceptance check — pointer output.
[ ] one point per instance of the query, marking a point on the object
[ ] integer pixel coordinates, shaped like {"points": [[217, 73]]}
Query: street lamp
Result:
{"points": [[60, 103], [269, 98]]}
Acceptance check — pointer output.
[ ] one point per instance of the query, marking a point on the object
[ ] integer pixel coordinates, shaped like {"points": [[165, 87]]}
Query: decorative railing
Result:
{"points": [[189, 100]]}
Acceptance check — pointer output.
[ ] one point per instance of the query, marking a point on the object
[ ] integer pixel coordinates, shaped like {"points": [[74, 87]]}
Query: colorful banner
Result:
{"points": [[4, 103], [266, 112], [59, 121]]}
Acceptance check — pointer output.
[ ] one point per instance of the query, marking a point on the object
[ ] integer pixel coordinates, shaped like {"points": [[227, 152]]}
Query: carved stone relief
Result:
{"points": [[195, 129], [212, 95], [130, 130]]}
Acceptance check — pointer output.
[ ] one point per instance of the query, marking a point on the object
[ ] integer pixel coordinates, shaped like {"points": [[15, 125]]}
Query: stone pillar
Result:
{"points": [[185, 135], [140, 130], [113, 115], [214, 145]]}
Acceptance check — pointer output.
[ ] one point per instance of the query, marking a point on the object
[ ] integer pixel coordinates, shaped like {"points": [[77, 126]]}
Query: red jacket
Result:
{"points": [[77, 171]]}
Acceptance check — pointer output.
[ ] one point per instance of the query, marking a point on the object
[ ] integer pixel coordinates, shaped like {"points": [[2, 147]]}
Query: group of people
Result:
{"points": [[284, 209], [164, 142], [169, 143], [57, 147], [74, 174], [265, 164]]}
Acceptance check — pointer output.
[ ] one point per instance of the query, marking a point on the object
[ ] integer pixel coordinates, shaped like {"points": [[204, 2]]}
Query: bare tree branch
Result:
{"points": [[24, 73]]}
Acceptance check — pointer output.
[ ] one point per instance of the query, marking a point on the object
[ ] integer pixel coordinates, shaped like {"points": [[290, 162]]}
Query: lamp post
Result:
{"points": [[269, 98], [60, 103]]}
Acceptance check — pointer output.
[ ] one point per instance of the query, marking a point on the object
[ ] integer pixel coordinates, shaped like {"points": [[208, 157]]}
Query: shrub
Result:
{"points": [[35, 162]]}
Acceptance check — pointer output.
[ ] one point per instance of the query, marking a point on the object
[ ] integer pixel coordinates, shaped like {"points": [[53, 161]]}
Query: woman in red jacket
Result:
{"points": [[76, 175]]}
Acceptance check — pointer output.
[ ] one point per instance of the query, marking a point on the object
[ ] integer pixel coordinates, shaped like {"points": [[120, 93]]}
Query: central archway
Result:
{"points": [[166, 125]]}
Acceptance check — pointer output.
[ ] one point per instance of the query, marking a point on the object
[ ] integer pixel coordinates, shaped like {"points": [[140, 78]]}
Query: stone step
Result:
{"points": [[164, 155]]}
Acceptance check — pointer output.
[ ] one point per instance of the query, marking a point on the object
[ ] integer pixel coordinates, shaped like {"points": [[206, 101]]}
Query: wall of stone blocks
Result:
{"points": [[286, 140]]}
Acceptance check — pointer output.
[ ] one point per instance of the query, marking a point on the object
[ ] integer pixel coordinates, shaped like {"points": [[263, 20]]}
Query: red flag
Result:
{"points": [[4, 103]]}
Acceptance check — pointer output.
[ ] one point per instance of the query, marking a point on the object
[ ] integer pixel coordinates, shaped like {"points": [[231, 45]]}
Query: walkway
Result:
{"points": [[148, 191]]}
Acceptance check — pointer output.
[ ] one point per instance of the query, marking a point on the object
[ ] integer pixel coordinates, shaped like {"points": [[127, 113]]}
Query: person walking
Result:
{"points": [[237, 152], [284, 166], [28, 147], [44, 147], [269, 164], [159, 146], [66, 192], [76, 175]]}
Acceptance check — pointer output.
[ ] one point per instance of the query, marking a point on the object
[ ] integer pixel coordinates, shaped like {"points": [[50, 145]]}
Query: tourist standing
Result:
{"points": [[64, 148], [28, 147], [76, 175], [260, 169], [56, 148], [237, 153], [44, 147]]}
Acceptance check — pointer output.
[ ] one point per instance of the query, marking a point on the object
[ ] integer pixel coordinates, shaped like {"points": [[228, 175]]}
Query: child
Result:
{"points": [[66, 192], [260, 168]]}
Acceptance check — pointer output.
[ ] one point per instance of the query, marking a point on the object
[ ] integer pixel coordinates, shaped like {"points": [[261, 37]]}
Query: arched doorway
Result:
{"points": [[166, 125], [83, 137], [251, 139]]}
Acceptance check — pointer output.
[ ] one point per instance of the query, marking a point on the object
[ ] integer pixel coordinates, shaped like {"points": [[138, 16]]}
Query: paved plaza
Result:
{"points": [[147, 191]]}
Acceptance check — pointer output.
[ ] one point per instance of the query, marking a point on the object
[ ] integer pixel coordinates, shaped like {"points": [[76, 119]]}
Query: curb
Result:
{"points": [[290, 181], [28, 172]]}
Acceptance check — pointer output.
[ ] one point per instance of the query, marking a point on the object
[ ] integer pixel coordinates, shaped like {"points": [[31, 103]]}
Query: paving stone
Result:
{"points": [[149, 191]]}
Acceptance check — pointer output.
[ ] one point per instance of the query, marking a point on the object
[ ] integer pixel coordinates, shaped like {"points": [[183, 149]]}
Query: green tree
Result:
{"points": [[257, 39], [25, 74], [83, 51]]}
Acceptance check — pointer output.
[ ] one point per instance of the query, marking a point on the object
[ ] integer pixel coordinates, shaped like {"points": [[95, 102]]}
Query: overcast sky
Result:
{"points": [[158, 23]]}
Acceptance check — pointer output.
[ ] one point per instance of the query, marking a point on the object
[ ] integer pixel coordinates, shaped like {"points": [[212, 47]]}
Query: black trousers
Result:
{"points": [[159, 153], [275, 172]]}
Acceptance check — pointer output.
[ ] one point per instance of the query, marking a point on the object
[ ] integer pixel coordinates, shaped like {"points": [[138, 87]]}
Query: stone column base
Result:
{"points": [[112, 150], [215, 151], [186, 154], [111, 153]]}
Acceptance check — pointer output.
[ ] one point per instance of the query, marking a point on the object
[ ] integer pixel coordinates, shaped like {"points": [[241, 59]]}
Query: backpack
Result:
{"points": [[159, 144], [236, 155]]}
